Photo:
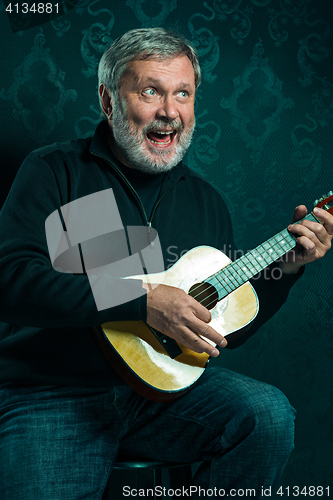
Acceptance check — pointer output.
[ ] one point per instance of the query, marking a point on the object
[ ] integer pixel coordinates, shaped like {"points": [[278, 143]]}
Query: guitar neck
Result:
{"points": [[246, 267]]}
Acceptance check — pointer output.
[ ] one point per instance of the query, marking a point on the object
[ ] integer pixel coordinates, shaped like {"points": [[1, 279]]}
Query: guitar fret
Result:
{"points": [[229, 288], [258, 255], [238, 272], [224, 282], [223, 285], [309, 216], [245, 268], [277, 247], [254, 262], [274, 254], [230, 277], [230, 281], [269, 251], [287, 237], [276, 250], [281, 247], [250, 264]]}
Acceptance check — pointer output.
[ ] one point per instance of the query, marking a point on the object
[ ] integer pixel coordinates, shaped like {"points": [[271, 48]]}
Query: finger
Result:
{"points": [[307, 244], [313, 231], [194, 342], [212, 335], [206, 333], [326, 219], [199, 349], [304, 236], [198, 343], [202, 337], [201, 312], [299, 213]]}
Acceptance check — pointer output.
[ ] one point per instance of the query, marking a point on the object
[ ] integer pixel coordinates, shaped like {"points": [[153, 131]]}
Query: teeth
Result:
{"points": [[162, 132], [156, 142]]}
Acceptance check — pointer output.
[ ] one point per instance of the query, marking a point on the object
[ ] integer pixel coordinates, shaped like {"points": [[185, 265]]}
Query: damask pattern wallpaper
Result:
{"points": [[263, 139]]}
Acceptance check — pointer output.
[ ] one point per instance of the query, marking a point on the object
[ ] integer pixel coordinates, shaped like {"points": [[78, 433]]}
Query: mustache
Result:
{"points": [[160, 125]]}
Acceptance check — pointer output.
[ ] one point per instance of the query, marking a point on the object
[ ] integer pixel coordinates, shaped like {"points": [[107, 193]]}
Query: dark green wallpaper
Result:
{"points": [[263, 139]]}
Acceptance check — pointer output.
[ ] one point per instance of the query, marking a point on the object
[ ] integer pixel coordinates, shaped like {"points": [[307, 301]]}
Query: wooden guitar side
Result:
{"points": [[140, 358]]}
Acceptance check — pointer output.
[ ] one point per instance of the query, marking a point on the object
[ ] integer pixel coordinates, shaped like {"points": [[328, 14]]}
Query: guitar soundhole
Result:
{"points": [[204, 293]]}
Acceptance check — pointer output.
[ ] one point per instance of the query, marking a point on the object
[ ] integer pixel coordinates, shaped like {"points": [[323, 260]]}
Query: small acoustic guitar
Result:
{"points": [[155, 365]]}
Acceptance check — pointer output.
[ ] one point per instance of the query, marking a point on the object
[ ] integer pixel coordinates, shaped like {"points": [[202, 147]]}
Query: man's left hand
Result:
{"points": [[313, 239]]}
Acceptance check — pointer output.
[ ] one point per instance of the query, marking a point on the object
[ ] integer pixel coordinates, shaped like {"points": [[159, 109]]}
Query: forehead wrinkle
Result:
{"points": [[140, 76], [158, 81]]}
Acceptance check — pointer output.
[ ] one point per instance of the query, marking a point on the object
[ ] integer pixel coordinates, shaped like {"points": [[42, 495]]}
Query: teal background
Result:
{"points": [[263, 139]]}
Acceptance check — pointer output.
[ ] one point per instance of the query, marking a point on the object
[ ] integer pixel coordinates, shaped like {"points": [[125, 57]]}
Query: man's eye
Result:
{"points": [[150, 92], [183, 93]]}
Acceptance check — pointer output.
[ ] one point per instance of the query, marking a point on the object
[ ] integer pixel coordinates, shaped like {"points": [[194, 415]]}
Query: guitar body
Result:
{"points": [[140, 358]]}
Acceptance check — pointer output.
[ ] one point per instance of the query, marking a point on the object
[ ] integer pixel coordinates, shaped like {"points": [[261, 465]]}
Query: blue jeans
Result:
{"points": [[60, 443]]}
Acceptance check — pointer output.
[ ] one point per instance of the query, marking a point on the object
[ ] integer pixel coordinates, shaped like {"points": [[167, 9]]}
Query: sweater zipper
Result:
{"points": [[129, 184], [159, 201], [148, 222]]}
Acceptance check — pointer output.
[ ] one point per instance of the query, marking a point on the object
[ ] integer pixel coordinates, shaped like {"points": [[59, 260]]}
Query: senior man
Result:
{"points": [[65, 413]]}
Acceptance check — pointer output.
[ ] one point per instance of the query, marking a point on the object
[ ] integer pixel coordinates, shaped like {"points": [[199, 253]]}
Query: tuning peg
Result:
{"points": [[323, 197]]}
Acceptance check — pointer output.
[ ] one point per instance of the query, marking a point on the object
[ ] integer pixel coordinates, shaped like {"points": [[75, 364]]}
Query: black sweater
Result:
{"points": [[45, 334]]}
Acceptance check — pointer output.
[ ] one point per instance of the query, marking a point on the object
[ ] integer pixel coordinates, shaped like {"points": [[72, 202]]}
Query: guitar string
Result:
{"points": [[224, 270], [232, 264]]}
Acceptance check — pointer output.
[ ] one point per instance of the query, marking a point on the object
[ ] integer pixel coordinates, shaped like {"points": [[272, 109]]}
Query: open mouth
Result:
{"points": [[161, 137]]}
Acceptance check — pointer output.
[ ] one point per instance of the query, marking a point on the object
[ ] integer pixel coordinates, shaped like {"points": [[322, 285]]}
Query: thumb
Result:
{"points": [[299, 213]]}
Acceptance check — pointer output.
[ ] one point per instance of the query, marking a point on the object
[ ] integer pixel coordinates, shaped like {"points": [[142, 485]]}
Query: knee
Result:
{"points": [[266, 418], [270, 415]]}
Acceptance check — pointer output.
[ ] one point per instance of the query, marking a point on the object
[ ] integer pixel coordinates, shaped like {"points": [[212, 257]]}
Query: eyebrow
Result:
{"points": [[157, 81]]}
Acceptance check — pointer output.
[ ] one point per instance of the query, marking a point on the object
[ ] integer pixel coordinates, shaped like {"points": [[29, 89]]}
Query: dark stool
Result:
{"points": [[129, 474]]}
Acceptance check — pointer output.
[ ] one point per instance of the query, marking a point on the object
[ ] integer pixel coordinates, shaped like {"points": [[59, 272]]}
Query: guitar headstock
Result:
{"points": [[325, 202]]}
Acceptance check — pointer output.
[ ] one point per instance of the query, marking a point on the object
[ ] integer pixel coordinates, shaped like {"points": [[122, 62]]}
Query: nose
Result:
{"points": [[168, 109]]}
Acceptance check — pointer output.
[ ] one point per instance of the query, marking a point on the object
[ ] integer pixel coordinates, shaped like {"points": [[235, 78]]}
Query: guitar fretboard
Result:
{"points": [[246, 267]]}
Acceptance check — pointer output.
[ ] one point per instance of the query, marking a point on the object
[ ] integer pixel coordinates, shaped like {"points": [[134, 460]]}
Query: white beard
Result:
{"points": [[132, 149]]}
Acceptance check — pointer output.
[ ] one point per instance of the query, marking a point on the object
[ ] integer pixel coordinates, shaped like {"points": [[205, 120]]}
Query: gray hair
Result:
{"points": [[142, 44]]}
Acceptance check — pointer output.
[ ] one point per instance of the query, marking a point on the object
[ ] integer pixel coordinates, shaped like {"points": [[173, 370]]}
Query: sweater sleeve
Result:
{"points": [[32, 292]]}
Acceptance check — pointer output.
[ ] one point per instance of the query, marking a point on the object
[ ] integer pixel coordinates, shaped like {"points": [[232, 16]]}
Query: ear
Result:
{"points": [[105, 100]]}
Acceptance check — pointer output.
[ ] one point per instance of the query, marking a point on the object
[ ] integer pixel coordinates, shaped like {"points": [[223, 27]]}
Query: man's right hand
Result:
{"points": [[175, 313]]}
